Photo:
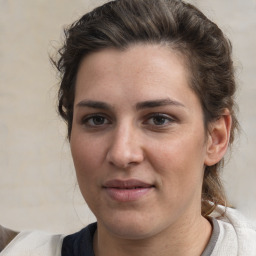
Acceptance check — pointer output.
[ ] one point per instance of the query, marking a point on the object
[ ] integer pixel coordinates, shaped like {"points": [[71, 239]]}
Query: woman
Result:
{"points": [[147, 91]]}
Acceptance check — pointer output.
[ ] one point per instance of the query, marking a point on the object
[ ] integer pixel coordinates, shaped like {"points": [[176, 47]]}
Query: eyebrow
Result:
{"points": [[139, 105], [158, 103], [94, 104]]}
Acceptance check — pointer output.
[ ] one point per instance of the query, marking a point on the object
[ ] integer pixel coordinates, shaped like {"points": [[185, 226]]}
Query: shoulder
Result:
{"points": [[237, 234], [34, 243], [232, 219], [6, 235]]}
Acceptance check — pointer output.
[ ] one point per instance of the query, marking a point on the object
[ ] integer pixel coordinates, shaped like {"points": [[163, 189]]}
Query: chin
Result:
{"points": [[132, 227]]}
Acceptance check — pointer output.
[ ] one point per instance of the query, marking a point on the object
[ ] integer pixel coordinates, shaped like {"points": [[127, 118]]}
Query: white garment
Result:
{"points": [[35, 243], [237, 237]]}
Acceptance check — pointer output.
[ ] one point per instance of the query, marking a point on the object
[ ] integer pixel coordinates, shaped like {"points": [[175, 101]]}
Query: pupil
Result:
{"points": [[159, 120], [98, 120]]}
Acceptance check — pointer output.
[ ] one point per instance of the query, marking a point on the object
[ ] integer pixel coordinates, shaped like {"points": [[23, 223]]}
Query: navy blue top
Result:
{"points": [[80, 243]]}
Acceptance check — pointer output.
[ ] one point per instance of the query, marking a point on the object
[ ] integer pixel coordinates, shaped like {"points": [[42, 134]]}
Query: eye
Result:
{"points": [[159, 119], [95, 120]]}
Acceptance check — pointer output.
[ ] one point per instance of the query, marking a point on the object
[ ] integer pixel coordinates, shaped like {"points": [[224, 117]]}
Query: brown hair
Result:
{"points": [[121, 23]]}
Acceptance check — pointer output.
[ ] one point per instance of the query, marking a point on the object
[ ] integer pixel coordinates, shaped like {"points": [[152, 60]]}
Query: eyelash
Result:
{"points": [[87, 119], [106, 120], [164, 117]]}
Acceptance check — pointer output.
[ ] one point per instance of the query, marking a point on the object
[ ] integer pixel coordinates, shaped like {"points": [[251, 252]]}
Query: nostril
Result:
{"points": [[124, 151], [124, 159]]}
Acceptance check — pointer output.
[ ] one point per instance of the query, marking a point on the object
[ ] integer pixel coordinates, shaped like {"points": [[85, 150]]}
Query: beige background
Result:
{"points": [[37, 184]]}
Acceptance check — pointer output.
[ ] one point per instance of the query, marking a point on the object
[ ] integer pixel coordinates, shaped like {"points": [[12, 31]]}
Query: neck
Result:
{"points": [[187, 238]]}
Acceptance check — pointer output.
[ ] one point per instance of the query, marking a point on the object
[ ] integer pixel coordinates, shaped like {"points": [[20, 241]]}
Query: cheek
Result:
{"points": [[180, 162], [87, 149], [178, 151], [87, 156]]}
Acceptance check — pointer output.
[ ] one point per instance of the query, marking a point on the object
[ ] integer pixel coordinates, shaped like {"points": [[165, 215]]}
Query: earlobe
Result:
{"points": [[218, 138]]}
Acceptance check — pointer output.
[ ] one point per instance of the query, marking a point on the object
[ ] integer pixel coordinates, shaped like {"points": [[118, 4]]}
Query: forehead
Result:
{"points": [[140, 67], [148, 56]]}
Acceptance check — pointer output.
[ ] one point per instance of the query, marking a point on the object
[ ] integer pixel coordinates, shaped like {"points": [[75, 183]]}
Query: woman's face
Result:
{"points": [[138, 140]]}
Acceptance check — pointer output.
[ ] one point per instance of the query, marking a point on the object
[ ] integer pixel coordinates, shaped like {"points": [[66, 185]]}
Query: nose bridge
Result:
{"points": [[125, 148]]}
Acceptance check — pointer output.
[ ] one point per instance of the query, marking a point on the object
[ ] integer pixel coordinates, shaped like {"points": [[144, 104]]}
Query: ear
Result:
{"points": [[218, 138]]}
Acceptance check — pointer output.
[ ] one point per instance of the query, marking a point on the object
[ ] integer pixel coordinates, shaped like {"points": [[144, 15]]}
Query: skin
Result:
{"points": [[164, 145]]}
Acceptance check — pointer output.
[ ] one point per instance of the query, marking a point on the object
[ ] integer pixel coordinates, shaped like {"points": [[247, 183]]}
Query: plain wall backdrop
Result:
{"points": [[38, 188]]}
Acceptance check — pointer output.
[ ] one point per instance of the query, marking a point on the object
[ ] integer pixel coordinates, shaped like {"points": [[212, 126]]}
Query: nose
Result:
{"points": [[125, 148]]}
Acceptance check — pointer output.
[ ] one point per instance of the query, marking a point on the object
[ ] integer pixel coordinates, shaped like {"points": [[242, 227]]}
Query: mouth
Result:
{"points": [[127, 190]]}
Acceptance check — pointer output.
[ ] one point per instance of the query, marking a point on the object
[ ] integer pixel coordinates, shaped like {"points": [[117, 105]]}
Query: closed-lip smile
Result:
{"points": [[127, 190]]}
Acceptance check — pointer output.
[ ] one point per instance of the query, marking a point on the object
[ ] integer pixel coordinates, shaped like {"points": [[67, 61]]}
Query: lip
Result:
{"points": [[127, 190]]}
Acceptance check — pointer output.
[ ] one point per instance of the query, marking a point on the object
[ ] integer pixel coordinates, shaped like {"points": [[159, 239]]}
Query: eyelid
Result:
{"points": [[168, 117], [86, 118], [156, 114]]}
